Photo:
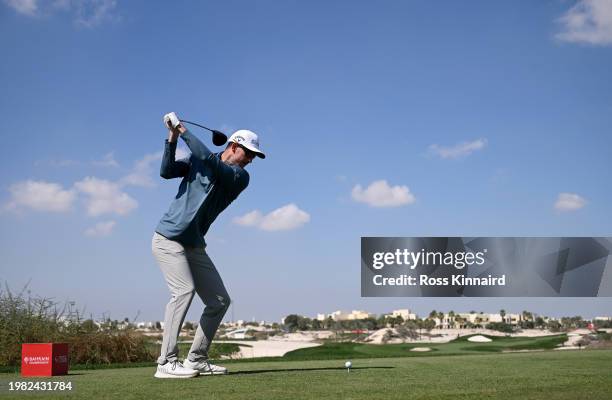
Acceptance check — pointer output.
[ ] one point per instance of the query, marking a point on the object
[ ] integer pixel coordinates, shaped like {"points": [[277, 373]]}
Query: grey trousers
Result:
{"points": [[189, 270]]}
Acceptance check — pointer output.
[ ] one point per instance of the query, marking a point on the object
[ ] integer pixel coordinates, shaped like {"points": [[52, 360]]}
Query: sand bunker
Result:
{"points": [[420, 349], [479, 339]]}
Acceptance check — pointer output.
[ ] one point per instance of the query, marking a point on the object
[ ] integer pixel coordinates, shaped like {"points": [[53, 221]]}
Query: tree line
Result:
{"points": [[528, 320]]}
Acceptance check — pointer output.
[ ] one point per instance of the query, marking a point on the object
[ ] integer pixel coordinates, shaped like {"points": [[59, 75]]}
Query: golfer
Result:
{"points": [[210, 183]]}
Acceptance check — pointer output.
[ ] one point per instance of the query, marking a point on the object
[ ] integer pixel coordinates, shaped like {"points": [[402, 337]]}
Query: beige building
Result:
{"points": [[404, 313], [358, 314], [460, 320], [343, 316]]}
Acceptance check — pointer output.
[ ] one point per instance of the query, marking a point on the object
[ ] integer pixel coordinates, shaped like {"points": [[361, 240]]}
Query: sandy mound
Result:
{"points": [[479, 339], [376, 337], [420, 349], [267, 348]]}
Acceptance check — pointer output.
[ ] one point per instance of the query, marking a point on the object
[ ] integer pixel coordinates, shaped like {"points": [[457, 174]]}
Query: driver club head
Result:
{"points": [[218, 138]]}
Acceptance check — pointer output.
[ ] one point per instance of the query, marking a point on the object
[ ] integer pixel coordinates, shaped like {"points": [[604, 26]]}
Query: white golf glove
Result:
{"points": [[171, 120]]}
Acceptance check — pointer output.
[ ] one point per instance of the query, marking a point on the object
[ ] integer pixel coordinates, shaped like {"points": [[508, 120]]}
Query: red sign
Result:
{"points": [[44, 359]]}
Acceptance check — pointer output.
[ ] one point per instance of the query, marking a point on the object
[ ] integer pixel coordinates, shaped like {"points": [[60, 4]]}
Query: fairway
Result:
{"points": [[537, 375], [460, 346]]}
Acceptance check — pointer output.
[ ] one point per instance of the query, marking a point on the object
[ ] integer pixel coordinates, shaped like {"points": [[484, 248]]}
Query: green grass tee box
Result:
{"points": [[534, 375]]}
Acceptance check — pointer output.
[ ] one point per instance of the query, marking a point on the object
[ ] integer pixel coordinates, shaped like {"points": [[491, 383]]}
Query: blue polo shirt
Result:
{"points": [[209, 185]]}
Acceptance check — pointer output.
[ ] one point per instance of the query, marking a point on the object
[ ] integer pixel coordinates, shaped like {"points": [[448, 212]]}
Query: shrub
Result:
{"points": [[605, 336], [500, 327], [39, 320], [109, 347], [260, 335]]}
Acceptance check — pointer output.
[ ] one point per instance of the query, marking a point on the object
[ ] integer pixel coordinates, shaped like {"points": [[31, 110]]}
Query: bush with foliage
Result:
{"points": [[38, 320], [500, 327]]}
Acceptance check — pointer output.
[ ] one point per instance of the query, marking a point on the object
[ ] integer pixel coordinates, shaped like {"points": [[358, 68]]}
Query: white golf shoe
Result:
{"points": [[174, 370], [206, 368]]}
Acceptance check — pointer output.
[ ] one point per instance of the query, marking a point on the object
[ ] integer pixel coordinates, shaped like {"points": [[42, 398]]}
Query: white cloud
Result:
{"points": [[101, 196], [40, 196], [569, 202], [460, 150], [141, 174], [107, 161], [26, 7], [284, 218], [105, 197], [380, 194], [86, 13], [101, 229], [252, 218], [588, 21]]}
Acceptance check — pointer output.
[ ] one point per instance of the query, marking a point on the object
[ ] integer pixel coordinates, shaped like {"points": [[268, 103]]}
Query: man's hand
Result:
{"points": [[174, 126], [171, 120]]}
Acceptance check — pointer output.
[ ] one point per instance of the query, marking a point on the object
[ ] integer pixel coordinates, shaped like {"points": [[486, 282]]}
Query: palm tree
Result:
{"points": [[502, 312], [527, 316], [420, 324], [451, 318], [429, 324], [441, 318]]}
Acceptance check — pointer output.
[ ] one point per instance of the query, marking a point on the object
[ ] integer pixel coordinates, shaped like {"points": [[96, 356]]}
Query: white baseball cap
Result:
{"points": [[247, 139]]}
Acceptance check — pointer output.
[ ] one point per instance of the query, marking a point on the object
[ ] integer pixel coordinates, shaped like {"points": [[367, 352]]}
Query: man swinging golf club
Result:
{"points": [[210, 183]]}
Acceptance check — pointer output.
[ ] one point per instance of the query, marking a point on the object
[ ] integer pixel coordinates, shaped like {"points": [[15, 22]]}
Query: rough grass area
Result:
{"points": [[525, 376]]}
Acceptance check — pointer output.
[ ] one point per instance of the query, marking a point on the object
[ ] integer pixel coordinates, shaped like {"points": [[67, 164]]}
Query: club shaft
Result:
{"points": [[193, 123]]}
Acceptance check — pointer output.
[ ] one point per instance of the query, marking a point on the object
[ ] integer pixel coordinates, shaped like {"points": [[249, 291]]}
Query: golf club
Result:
{"points": [[219, 138]]}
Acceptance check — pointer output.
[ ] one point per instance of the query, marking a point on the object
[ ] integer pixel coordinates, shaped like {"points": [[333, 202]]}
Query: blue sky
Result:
{"points": [[407, 118]]}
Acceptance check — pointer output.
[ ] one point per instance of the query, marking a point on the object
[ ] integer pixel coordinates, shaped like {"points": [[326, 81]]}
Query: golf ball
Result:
{"points": [[348, 364]]}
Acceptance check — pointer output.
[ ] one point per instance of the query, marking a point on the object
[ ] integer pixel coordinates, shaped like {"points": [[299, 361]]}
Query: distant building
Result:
{"points": [[513, 319], [343, 316], [357, 314], [462, 320], [339, 316], [404, 313]]}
